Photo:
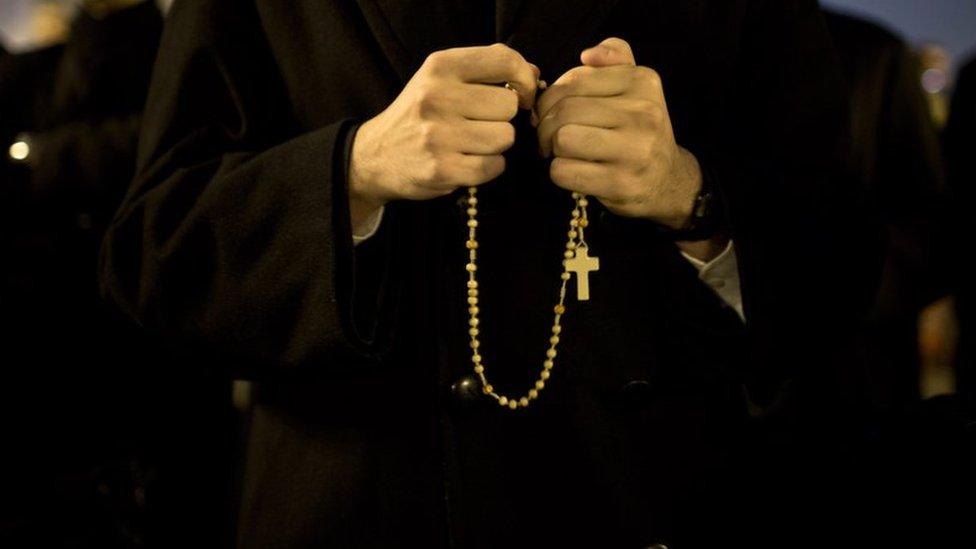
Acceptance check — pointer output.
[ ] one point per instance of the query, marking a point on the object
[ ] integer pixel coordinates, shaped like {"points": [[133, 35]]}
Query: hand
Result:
{"points": [[447, 129], [607, 124]]}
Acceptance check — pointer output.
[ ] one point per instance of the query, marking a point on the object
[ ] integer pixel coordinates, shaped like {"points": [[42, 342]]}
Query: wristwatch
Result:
{"points": [[707, 213]]}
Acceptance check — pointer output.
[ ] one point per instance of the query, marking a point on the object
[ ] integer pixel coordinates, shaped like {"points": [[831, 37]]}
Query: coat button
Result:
{"points": [[466, 392]]}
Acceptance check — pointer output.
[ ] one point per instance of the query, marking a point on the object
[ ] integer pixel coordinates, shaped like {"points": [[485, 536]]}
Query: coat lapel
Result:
{"points": [[549, 33]]}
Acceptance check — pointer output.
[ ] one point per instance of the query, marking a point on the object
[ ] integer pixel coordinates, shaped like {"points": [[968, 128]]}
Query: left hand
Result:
{"points": [[607, 124]]}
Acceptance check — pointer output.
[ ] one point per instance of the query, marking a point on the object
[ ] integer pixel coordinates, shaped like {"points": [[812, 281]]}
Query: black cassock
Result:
{"points": [[663, 413]]}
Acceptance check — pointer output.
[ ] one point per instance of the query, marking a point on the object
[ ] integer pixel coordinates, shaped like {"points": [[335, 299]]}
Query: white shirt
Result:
{"points": [[721, 274]]}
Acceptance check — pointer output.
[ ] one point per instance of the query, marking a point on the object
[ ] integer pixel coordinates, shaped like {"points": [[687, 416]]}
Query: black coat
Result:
{"points": [[234, 238]]}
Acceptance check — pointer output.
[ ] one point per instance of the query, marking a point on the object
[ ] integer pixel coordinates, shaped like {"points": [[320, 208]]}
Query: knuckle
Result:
{"points": [[436, 61], [649, 75], [507, 137]]}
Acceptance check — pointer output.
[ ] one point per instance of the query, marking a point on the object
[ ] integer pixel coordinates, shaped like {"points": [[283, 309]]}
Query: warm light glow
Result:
{"points": [[20, 150], [934, 80]]}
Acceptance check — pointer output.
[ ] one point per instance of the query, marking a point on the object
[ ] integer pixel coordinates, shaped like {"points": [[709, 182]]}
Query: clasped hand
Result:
{"points": [[605, 123]]}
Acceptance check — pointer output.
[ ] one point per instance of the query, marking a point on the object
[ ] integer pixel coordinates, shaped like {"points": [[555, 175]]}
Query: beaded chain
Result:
{"points": [[575, 245]]}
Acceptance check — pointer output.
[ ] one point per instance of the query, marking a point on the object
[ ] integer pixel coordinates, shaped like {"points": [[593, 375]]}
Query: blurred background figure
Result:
{"points": [[960, 153], [895, 151], [97, 440]]}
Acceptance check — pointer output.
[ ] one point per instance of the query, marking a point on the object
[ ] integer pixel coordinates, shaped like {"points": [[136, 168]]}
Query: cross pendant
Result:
{"points": [[582, 264]]}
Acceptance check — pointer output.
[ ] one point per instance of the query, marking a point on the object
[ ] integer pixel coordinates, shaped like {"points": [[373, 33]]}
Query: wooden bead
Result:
{"points": [[473, 332], [547, 364], [503, 401], [471, 244], [557, 329], [540, 385], [523, 402], [471, 267], [584, 222], [565, 276], [512, 404], [554, 339], [472, 223], [551, 353], [560, 309], [544, 374], [488, 389], [533, 394], [479, 369], [472, 211]]}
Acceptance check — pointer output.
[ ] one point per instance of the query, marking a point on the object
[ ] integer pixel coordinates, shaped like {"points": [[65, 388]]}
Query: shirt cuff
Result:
{"points": [[721, 274], [369, 228]]}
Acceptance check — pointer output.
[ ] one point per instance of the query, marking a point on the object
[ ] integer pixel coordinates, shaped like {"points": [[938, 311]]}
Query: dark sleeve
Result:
{"points": [[809, 248], [234, 234]]}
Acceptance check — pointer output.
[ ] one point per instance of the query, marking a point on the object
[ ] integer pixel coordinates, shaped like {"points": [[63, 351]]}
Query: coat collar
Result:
{"points": [[549, 33]]}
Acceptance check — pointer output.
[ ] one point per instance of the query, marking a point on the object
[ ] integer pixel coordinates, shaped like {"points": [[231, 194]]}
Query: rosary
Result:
{"points": [[576, 260]]}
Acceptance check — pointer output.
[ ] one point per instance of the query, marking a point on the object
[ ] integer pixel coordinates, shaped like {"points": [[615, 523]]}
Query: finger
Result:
{"points": [[466, 170], [485, 102], [589, 143], [494, 64], [612, 51], [588, 82], [583, 176], [600, 112], [479, 137]]}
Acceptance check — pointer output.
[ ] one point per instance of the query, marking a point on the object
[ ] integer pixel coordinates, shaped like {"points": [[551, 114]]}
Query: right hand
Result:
{"points": [[447, 129]]}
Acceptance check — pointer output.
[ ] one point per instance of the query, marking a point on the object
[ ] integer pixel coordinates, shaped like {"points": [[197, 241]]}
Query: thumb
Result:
{"points": [[612, 51]]}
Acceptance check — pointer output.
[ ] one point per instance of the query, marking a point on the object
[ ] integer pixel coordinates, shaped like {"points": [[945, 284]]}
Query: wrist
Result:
{"points": [[687, 175], [364, 200]]}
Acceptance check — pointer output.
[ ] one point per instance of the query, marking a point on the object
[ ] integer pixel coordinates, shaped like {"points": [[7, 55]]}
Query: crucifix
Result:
{"points": [[582, 264]]}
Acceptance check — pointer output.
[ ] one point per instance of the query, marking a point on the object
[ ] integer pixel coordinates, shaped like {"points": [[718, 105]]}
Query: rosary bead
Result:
{"points": [[551, 353], [574, 222], [472, 284], [584, 222], [576, 213], [533, 394], [540, 385], [473, 332], [547, 364], [472, 211], [573, 234], [488, 389], [471, 267], [544, 374], [577, 196], [475, 344], [472, 310], [472, 223], [559, 309], [479, 369], [569, 254], [565, 276], [583, 202], [473, 292], [471, 244], [557, 328], [554, 339], [512, 404], [472, 301], [476, 358], [503, 401], [473, 321], [523, 402]]}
